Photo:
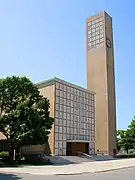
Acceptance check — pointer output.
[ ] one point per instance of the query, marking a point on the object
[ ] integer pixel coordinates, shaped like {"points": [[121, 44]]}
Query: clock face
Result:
{"points": [[108, 43]]}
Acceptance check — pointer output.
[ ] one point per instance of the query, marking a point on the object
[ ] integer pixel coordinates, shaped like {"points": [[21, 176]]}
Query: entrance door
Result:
{"points": [[87, 148], [74, 147], [69, 149]]}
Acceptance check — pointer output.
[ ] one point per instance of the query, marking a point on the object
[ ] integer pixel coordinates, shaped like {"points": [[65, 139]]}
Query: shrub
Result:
{"points": [[4, 154], [126, 156]]}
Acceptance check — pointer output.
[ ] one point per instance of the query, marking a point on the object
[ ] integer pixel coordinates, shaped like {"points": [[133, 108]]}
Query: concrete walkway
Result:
{"points": [[86, 167]]}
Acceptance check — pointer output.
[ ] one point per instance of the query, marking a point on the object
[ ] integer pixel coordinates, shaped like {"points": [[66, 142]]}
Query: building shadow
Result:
{"points": [[4, 176]]}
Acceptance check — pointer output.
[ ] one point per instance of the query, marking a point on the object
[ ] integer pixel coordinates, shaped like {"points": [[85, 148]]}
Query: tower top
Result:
{"points": [[98, 15]]}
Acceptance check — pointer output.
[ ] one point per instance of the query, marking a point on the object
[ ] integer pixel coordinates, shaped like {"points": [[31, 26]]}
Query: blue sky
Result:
{"points": [[46, 38]]}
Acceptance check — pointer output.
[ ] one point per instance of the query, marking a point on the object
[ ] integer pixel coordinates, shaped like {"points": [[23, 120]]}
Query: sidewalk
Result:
{"points": [[88, 167]]}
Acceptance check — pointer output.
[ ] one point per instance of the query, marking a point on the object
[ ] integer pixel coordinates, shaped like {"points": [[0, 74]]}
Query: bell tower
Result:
{"points": [[101, 79]]}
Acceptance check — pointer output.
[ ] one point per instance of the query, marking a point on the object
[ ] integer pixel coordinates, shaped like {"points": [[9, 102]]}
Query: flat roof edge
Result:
{"points": [[52, 81]]}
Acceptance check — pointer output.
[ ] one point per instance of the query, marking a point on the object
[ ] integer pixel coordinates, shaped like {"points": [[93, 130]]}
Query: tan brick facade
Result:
{"points": [[49, 93], [101, 79]]}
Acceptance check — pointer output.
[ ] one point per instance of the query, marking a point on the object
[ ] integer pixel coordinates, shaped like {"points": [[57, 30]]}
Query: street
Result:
{"points": [[123, 174]]}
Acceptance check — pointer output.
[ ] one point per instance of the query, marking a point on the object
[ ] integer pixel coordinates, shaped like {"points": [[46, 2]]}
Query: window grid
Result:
{"points": [[74, 110], [95, 33]]}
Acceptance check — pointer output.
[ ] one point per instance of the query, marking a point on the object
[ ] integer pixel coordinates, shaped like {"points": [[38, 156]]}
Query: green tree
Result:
{"points": [[124, 140], [24, 113], [120, 137], [131, 129]]}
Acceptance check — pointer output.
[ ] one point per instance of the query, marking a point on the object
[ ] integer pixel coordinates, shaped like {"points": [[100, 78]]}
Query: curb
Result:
{"points": [[108, 170], [100, 171]]}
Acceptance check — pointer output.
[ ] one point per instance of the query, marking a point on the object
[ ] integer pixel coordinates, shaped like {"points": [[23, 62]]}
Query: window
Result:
{"points": [[97, 41], [92, 133], [71, 90], [72, 117], [89, 36], [64, 144], [71, 123], [89, 32], [56, 129], [75, 104], [74, 91], [56, 144], [101, 27], [68, 109], [64, 108], [93, 38], [97, 29], [92, 145], [68, 89], [72, 97], [56, 137], [75, 124], [71, 103], [64, 115], [71, 110], [97, 24], [64, 122], [57, 99], [101, 35], [88, 28], [68, 95], [101, 22], [57, 113], [93, 22], [102, 39], [57, 107], [68, 102], [57, 92], [101, 31], [97, 33], [61, 107], [89, 44], [64, 101], [92, 139], [64, 138], [61, 100], [75, 117], [60, 122], [61, 93], [65, 87], [68, 116], [93, 26], [89, 40], [97, 37], [68, 128], [61, 114], [60, 140], [65, 95], [57, 85], [60, 129], [61, 86]]}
